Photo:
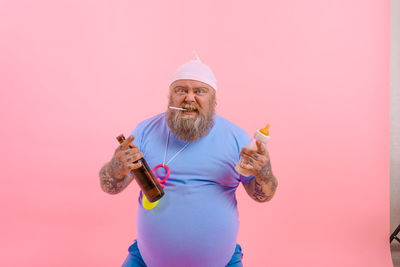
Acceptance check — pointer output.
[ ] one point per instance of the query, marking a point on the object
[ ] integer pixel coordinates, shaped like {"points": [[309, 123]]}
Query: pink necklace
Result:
{"points": [[165, 165]]}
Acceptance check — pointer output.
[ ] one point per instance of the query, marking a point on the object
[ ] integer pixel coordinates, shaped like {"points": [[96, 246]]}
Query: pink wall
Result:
{"points": [[75, 74]]}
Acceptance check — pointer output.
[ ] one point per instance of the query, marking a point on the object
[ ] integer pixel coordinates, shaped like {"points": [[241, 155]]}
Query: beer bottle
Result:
{"points": [[145, 178]]}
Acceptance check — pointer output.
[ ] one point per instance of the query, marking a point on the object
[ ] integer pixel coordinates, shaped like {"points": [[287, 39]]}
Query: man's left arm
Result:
{"points": [[263, 186]]}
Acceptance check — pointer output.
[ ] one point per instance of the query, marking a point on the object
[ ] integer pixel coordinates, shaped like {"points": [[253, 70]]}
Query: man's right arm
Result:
{"points": [[115, 175], [111, 184]]}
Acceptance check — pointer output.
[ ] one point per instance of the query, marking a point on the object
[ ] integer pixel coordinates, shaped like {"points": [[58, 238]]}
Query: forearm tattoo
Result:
{"points": [[110, 184], [265, 184], [116, 165], [258, 193]]}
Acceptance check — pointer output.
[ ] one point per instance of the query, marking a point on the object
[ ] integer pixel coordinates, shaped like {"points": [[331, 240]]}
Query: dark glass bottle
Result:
{"points": [[145, 178]]}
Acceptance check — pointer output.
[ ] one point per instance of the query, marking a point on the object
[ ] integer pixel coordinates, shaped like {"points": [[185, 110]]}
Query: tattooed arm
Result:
{"points": [[114, 175], [111, 184], [263, 186]]}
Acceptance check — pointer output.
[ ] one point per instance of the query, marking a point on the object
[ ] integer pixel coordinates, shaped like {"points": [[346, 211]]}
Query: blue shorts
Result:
{"points": [[134, 258]]}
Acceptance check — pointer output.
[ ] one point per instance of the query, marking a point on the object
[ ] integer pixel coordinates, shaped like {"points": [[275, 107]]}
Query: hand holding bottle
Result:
{"points": [[253, 160], [138, 166], [124, 158], [255, 156]]}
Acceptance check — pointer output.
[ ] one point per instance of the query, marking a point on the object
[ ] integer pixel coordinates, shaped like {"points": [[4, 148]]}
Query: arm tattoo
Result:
{"points": [[265, 184], [258, 193], [116, 165], [265, 173], [110, 184]]}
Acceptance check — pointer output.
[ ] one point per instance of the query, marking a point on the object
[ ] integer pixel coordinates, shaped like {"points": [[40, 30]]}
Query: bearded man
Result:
{"points": [[196, 222]]}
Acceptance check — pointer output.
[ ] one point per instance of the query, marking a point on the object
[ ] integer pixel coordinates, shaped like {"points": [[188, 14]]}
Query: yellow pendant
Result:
{"points": [[147, 204]]}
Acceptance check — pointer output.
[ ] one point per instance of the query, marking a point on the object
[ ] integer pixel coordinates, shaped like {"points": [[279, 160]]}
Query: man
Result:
{"points": [[196, 222]]}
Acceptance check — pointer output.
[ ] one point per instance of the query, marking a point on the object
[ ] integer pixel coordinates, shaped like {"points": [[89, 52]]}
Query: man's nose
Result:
{"points": [[190, 97]]}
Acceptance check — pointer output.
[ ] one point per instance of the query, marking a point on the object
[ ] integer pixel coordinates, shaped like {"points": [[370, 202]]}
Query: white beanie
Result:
{"points": [[195, 70]]}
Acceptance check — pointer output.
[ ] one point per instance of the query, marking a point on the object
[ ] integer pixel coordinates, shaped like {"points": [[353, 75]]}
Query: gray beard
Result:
{"points": [[190, 129]]}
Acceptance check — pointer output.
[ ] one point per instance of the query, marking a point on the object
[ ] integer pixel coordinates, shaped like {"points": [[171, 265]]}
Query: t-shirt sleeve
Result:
{"points": [[246, 180]]}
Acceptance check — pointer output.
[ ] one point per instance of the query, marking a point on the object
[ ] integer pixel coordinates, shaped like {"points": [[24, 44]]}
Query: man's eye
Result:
{"points": [[181, 91], [200, 91]]}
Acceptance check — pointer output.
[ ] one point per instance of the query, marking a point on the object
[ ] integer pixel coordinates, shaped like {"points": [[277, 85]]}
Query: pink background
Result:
{"points": [[75, 74]]}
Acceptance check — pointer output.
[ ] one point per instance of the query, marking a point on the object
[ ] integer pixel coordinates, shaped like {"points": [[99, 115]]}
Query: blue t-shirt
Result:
{"points": [[196, 222]]}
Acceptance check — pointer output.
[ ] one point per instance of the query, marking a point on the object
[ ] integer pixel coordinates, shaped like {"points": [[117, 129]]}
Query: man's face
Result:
{"points": [[199, 100], [193, 95]]}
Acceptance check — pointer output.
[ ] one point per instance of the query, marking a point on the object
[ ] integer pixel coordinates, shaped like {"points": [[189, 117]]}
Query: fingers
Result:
{"points": [[254, 155], [132, 155], [260, 147], [127, 143], [131, 151], [246, 166], [260, 152], [250, 163], [134, 166]]}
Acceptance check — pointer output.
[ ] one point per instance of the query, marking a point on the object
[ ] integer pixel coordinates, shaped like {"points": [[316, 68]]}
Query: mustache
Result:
{"points": [[191, 107]]}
